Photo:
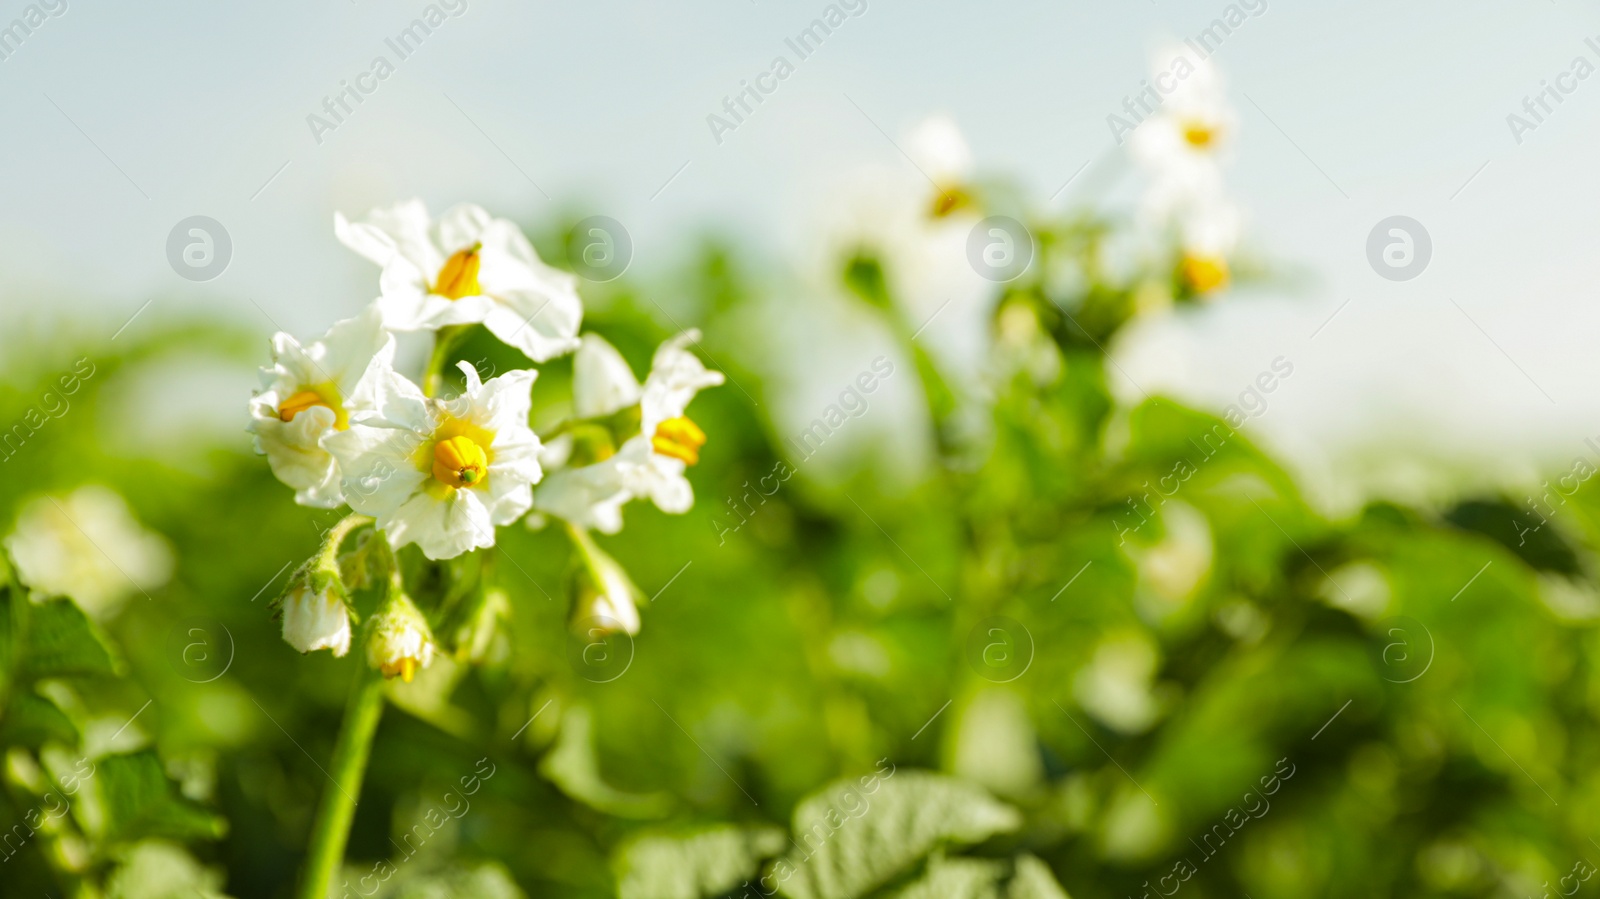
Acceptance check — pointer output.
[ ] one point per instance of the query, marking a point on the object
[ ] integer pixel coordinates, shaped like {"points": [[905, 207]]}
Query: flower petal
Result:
{"points": [[441, 528], [377, 471], [461, 226], [602, 382], [406, 225], [676, 375]]}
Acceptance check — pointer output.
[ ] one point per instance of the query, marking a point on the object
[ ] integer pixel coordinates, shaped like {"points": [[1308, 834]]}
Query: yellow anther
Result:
{"points": [[950, 199], [305, 399], [459, 462], [679, 438], [1199, 134], [1204, 274], [405, 668], [458, 277]]}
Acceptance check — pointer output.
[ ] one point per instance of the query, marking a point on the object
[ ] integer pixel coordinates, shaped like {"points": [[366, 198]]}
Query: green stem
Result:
{"points": [[331, 831], [936, 392], [329, 557], [444, 341], [586, 550]]}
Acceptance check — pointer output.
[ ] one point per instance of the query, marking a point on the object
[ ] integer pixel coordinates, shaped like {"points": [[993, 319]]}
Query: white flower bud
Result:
{"points": [[606, 593], [401, 642], [314, 619]]}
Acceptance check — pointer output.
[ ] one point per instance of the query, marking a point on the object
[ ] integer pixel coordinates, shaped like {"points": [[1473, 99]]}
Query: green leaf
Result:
{"points": [[156, 869], [974, 878], [139, 801], [31, 720], [58, 640], [858, 834], [707, 862], [573, 766], [446, 880]]}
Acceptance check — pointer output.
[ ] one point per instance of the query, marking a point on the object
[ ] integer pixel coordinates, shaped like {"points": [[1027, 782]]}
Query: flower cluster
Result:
{"points": [[1182, 146], [341, 426]]}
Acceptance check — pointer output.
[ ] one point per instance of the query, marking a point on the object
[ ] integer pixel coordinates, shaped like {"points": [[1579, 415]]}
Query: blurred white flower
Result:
{"points": [[1182, 142], [650, 464], [994, 743], [467, 268], [312, 391], [1359, 588], [88, 546], [313, 620], [1181, 146], [939, 150], [915, 222], [443, 474], [1570, 599], [1117, 686], [1175, 566], [401, 643]]}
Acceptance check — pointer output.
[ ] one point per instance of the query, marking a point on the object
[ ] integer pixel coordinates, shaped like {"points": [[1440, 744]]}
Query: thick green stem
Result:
{"points": [[331, 831]]}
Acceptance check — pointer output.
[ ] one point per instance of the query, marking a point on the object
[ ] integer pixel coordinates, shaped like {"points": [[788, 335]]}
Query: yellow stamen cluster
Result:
{"points": [[302, 400], [459, 462], [405, 668], [950, 199], [1199, 134], [458, 277], [679, 438], [1204, 274]]}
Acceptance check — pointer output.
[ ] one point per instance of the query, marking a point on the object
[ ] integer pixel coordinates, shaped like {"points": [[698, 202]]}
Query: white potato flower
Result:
{"points": [[650, 463], [312, 391], [87, 545], [465, 269], [939, 150], [442, 474], [316, 620], [1181, 144], [916, 223]]}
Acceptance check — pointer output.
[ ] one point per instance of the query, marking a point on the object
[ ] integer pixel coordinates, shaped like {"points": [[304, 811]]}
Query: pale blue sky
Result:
{"points": [[122, 119]]}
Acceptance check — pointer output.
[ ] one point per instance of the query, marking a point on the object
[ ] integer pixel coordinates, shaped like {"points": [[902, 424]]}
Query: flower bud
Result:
{"points": [[401, 642], [607, 597], [316, 619]]}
